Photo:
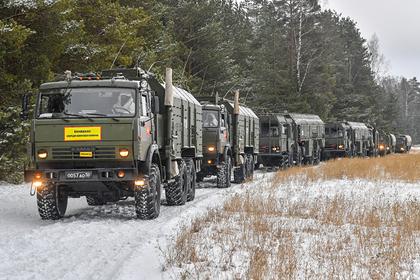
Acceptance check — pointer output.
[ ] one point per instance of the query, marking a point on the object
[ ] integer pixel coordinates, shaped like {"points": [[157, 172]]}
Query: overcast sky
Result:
{"points": [[397, 24]]}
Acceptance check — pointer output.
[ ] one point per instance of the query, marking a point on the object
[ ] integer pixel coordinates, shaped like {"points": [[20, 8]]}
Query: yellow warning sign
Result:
{"points": [[81, 133], [86, 154]]}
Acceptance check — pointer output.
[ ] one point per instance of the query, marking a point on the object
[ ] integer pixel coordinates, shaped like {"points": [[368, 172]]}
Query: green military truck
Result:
{"points": [[309, 134], [387, 142], [276, 141], [404, 143], [230, 139], [121, 135], [338, 140], [360, 135]]}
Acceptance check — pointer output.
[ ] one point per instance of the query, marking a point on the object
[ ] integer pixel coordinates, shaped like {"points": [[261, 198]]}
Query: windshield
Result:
{"points": [[266, 130], [334, 132], [87, 102], [210, 119]]}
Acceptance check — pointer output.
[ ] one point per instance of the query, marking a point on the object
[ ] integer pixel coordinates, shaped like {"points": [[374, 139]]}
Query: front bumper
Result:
{"points": [[97, 175]]}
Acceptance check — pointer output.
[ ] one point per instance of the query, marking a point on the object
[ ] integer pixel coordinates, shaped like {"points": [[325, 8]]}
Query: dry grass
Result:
{"points": [[292, 229], [395, 167]]}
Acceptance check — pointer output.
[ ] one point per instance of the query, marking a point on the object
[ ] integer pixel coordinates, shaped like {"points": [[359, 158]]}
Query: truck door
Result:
{"points": [[145, 124]]}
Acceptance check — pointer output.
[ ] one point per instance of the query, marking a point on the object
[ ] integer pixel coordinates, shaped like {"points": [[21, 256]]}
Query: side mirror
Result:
{"points": [[24, 114], [155, 104]]}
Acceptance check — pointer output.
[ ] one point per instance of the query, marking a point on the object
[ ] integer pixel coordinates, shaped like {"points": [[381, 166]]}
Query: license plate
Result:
{"points": [[79, 175]]}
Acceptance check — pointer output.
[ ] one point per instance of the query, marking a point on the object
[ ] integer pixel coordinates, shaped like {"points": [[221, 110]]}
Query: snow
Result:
{"points": [[314, 244], [103, 242]]}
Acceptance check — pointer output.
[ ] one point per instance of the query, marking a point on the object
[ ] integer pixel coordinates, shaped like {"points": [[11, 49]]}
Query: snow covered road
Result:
{"points": [[103, 242]]}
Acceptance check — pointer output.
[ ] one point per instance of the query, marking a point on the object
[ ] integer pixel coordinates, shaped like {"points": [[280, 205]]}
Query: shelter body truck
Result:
{"points": [[360, 137], [309, 134], [276, 141], [404, 143], [112, 138], [387, 142], [230, 140]]}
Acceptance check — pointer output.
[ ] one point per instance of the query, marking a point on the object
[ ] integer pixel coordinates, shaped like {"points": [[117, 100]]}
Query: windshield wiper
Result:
{"points": [[77, 115], [103, 115]]}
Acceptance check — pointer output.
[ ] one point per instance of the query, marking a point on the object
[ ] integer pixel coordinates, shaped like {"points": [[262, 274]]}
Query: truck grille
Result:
{"points": [[74, 153]]}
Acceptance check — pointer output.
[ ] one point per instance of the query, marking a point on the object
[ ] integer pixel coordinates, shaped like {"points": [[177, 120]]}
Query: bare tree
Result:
{"points": [[378, 63]]}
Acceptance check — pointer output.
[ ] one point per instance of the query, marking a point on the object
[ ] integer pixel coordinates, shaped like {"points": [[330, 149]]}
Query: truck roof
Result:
{"points": [[274, 117], [183, 94], [245, 111], [357, 125], [335, 124], [305, 118], [90, 83]]}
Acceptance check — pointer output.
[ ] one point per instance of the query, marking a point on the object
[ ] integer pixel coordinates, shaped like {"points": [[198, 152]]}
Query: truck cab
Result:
{"points": [[276, 141], [112, 136], [338, 140]]}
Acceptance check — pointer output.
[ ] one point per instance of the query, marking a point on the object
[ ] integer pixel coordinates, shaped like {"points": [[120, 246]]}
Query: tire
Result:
{"points": [[147, 199], [52, 203], [176, 192], [224, 173], [239, 174], [192, 179], [94, 200]]}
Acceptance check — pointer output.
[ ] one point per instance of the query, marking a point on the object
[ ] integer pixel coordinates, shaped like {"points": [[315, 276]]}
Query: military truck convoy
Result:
{"points": [[126, 134]]}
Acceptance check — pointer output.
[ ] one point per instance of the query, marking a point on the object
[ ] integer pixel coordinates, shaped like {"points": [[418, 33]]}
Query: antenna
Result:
{"points": [[119, 51]]}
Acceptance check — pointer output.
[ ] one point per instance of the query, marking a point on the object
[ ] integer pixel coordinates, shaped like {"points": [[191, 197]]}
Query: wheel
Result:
{"points": [[147, 198], [192, 179], [94, 200], [176, 192], [52, 202], [224, 173], [239, 174]]}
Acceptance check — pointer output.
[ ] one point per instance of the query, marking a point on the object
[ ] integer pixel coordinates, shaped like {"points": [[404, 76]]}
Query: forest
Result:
{"points": [[281, 54]]}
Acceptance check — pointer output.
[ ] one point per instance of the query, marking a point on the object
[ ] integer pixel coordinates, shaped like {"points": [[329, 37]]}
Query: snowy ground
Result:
{"points": [[104, 242]]}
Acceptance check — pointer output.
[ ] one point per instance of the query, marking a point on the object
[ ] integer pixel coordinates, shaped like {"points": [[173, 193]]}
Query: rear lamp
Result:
{"points": [[124, 153], [139, 183], [42, 154], [121, 174]]}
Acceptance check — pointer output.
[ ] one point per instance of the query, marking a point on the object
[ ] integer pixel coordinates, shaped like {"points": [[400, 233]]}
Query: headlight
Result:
{"points": [[42, 154], [381, 147], [124, 153], [341, 147], [211, 149]]}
